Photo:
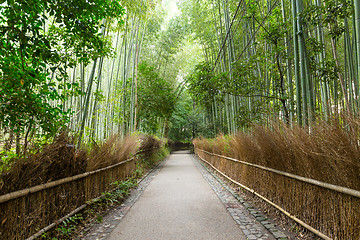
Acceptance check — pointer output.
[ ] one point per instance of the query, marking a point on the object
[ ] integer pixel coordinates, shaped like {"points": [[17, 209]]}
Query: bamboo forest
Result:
{"points": [[266, 93]]}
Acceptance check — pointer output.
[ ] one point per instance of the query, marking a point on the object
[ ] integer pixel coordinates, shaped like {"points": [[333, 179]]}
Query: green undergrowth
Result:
{"points": [[6, 159], [148, 160], [75, 226], [72, 226]]}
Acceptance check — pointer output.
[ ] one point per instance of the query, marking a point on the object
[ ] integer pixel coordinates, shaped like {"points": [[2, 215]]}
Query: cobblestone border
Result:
{"points": [[252, 222], [101, 231]]}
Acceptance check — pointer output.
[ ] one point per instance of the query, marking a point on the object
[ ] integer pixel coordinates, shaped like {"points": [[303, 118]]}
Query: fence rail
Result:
{"points": [[27, 191], [327, 210], [340, 189], [30, 212]]}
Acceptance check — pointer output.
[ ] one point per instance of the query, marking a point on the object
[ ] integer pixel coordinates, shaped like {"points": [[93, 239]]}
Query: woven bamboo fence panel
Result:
{"points": [[333, 213], [25, 215]]}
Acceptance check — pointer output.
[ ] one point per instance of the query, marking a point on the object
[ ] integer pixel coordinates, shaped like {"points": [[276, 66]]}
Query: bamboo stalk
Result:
{"points": [[340, 189], [307, 226], [302, 64], [357, 35], [290, 87]]}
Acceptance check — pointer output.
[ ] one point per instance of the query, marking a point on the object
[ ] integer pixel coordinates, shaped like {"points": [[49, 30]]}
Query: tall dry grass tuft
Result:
{"points": [[329, 153], [57, 160], [38, 209], [112, 151], [148, 149], [60, 159], [148, 142]]}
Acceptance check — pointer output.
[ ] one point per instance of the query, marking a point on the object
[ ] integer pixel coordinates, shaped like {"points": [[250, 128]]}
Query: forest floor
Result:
{"points": [[182, 200]]}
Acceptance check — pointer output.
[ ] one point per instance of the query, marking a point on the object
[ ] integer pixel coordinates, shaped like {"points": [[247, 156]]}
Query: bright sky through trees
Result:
{"points": [[171, 9]]}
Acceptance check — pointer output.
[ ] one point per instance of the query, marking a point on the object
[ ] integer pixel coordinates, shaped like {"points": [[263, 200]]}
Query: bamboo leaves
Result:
{"points": [[36, 54], [301, 71]]}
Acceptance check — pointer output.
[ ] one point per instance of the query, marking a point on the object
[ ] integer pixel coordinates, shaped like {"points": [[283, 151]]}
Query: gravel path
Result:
{"points": [[182, 200]]}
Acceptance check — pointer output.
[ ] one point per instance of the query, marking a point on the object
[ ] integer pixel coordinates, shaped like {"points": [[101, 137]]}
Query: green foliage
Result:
{"points": [[329, 72], [197, 19], [203, 85], [275, 27], [206, 88], [69, 225], [148, 159], [6, 159], [165, 40], [186, 121], [335, 12], [246, 116], [315, 47], [181, 121], [332, 12], [245, 80], [156, 98], [99, 219], [40, 40], [123, 188], [171, 40]]}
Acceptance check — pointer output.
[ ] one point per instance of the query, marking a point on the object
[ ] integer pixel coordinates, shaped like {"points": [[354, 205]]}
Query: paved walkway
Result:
{"points": [[178, 204], [180, 199]]}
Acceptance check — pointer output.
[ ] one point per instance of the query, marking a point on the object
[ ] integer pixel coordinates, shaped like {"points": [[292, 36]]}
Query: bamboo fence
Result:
{"points": [[330, 211], [24, 213]]}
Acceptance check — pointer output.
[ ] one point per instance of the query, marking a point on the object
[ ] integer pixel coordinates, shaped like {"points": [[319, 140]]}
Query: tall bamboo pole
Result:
{"points": [[109, 110], [288, 67], [136, 77], [95, 107], [357, 33], [86, 104], [324, 84], [296, 63], [302, 62]]}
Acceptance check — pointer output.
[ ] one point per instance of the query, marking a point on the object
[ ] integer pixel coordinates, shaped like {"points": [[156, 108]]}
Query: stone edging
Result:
{"points": [[102, 230], [262, 228]]}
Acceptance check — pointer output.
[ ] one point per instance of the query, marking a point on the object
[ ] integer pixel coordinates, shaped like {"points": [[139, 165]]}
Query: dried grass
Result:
{"points": [[112, 151], [59, 160], [330, 153]]}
